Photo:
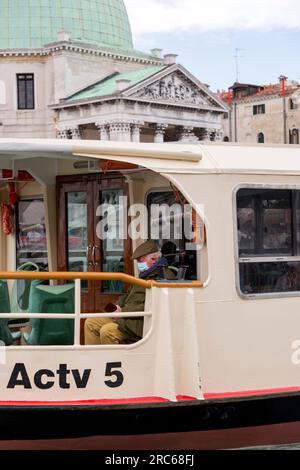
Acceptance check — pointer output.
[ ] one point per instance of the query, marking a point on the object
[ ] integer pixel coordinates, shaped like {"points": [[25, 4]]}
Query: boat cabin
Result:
{"points": [[227, 219]]}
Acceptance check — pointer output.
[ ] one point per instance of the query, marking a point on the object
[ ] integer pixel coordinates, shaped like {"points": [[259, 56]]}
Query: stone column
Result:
{"points": [[159, 133], [206, 134], [62, 134], [103, 130], [219, 135], [120, 131], [75, 133], [187, 135], [136, 132]]}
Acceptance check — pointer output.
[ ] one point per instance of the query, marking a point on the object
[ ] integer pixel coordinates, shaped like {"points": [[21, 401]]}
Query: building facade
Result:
{"points": [[72, 72], [263, 114]]}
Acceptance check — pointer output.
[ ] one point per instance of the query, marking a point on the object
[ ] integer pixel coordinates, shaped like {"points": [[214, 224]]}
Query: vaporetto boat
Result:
{"points": [[218, 365]]}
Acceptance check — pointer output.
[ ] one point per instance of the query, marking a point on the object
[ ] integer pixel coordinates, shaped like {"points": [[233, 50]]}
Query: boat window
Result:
{"points": [[113, 248], [268, 223], [31, 233], [167, 227]]}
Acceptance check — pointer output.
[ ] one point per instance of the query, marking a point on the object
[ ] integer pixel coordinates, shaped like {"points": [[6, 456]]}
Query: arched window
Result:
{"points": [[261, 138], [2, 93], [226, 139]]}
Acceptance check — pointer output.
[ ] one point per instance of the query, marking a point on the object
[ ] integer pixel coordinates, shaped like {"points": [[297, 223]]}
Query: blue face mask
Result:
{"points": [[143, 267]]}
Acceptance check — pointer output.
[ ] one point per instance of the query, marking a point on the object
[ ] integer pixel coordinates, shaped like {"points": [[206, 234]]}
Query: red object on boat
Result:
{"points": [[22, 175], [13, 195], [109, 165], [6, 174], [7, 219]]}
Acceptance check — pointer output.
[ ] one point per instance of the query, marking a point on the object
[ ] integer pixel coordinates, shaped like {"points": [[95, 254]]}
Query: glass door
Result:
{"points": [[89, 207], [75, 234], [113, 248]]}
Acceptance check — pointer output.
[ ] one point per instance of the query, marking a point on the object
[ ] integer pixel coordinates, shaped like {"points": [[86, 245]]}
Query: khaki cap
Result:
{"points": [[145, 248]]}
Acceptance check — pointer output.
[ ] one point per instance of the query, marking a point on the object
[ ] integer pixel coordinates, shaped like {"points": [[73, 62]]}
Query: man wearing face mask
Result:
{"points": [[151, 265]]}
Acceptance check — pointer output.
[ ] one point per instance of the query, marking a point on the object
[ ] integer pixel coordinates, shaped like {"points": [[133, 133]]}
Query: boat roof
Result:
{"points": [[166, 158]]}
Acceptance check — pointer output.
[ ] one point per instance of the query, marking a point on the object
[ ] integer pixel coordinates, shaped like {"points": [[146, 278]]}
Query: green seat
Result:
{"points": [[51, 299], [21, 290], [6, 336]]}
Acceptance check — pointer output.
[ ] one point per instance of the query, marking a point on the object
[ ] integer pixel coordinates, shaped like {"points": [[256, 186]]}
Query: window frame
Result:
{"points": [[257, 107], [26, 108], [165, 189], [258, 259], [32, 198]]}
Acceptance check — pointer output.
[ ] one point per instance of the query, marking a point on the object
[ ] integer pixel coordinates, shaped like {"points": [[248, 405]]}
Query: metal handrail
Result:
{"points": [[89, 276], [72, 316]]}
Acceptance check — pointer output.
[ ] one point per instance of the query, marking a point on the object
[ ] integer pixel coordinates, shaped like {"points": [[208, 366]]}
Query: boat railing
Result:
{"points": [[90, 276], [77, 278]]}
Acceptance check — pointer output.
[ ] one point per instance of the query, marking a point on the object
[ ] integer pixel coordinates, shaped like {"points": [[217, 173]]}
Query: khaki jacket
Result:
{"points": [[134, 301]]}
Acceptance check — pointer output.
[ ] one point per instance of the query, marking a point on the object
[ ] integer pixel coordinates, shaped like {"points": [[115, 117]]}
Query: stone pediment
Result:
{"points": [[176, 88]]}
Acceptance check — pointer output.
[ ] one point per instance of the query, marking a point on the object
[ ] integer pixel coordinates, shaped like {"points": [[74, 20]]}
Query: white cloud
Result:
{"points": [[158, 16]]}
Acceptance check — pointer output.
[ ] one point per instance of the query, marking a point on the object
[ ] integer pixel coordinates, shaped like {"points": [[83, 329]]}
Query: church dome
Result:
{"points": [[33, 23]]}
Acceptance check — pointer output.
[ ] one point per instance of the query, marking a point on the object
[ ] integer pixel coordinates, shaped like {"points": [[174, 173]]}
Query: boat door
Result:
{"points": [[80, 248]]}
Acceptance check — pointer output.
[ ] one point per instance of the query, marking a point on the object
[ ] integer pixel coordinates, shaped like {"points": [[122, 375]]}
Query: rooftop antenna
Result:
{"points": [[237, 56]]}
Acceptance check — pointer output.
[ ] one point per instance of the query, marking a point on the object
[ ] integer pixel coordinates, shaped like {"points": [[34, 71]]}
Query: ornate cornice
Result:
{"points": [[50, 49], [160, 104]]}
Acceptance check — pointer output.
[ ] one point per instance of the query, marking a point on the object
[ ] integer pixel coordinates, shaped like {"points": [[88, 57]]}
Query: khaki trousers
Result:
{"points": [[102, 331]]}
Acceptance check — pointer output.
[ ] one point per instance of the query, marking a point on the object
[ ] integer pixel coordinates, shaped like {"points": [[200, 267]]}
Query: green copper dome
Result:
{"points": [[34, 23]]}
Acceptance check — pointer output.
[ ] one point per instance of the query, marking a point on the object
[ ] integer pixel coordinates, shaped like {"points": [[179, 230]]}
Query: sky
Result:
{"points": [[205, 35]]}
